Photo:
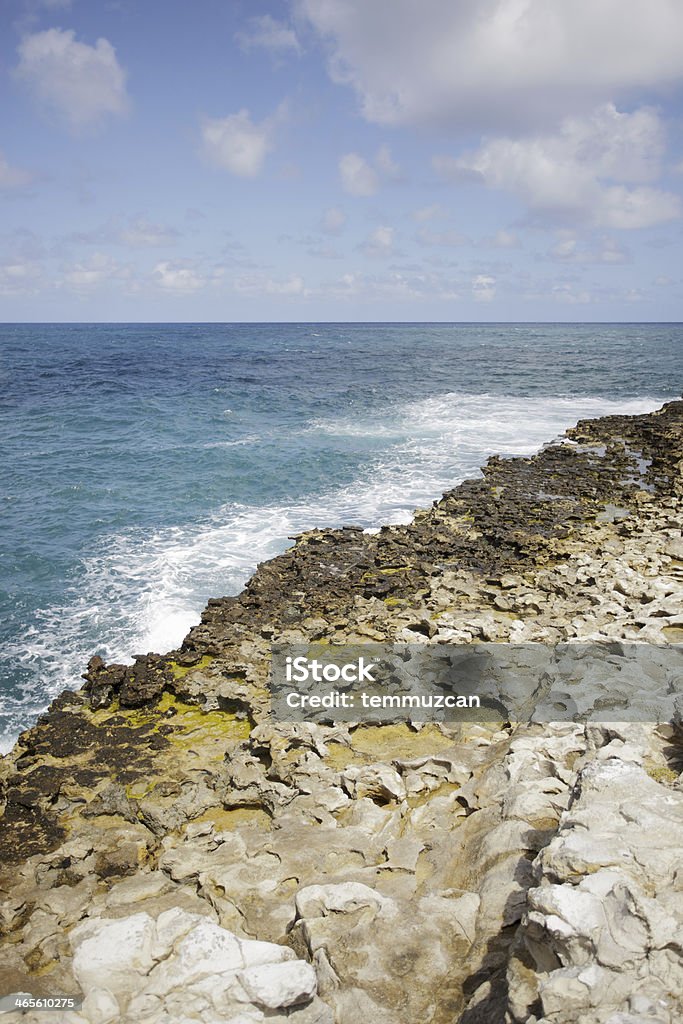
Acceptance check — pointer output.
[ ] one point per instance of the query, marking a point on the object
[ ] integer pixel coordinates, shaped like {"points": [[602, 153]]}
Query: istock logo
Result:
{"points": [[300, 670]]}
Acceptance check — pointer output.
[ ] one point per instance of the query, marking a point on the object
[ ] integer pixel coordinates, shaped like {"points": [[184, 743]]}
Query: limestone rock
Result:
{"points": [[279, 986]]}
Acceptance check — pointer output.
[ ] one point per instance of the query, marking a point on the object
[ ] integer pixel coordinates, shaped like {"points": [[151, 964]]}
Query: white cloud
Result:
{"points": [[333, 220], [398, 285], [91, 273], [581, 170], [236, 144], [265, 32], [379, 242], [357, 176], [142, 233], [484, 288], [637, 208], [360, 178], [385, 163], [568, 293], [495, 63], [569, 249], [13, 177], [80, 82], [20, 276], [179, 277]]}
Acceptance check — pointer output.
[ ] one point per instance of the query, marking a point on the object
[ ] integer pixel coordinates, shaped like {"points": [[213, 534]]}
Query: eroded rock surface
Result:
{"points": [[171, 853]]}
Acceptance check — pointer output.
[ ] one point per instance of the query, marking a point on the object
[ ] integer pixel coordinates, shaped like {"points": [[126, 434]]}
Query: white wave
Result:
{"points": [[248, 439], [143, 592]]}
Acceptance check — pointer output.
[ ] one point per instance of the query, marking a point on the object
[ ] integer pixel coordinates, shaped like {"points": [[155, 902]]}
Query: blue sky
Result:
{"points": [[341, 160]]}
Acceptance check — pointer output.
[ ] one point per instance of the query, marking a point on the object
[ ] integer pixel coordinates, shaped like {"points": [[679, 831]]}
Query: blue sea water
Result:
{"points": [[149, 467]]}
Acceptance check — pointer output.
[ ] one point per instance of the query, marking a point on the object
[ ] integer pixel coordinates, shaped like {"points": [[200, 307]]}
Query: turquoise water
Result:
{"points": [[149, 467]]}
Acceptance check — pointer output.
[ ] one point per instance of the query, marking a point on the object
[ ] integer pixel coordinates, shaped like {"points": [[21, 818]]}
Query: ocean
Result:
{"points": [[148, 467]]}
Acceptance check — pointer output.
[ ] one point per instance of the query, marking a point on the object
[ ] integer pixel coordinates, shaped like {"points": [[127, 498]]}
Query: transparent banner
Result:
{"points": [[486, 682]]}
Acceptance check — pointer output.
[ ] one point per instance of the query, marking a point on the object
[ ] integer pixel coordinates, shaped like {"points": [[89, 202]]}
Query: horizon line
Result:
{"points": [[365, 323]]}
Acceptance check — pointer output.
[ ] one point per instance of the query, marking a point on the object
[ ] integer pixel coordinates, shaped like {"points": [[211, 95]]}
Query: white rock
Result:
{"points": [[137, 888], [205, 951], [276, 986], [100, 1006], [144, 1006], [171, 925], [376, 781], [320, 900], [255, 953], [113, 952]]}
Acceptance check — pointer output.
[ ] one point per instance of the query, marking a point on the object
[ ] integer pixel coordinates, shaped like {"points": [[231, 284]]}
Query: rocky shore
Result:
{"points": [[172, 854]]}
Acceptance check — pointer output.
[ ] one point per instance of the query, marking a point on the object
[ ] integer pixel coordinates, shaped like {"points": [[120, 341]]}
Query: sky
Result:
{"points": [[335, 160]]}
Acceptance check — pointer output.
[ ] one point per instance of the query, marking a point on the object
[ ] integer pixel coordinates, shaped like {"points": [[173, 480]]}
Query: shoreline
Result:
{"points": [[151, 771]]}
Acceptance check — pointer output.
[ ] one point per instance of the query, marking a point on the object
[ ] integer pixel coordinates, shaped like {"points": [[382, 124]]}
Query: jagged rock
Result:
{"points": [[279, 986], [110, 953], [380, 783], [606, 919], [138, 968], [483, 873]]}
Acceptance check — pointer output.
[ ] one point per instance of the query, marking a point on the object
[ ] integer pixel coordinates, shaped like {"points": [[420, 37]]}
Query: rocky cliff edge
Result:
{"points": [[170, 853]]}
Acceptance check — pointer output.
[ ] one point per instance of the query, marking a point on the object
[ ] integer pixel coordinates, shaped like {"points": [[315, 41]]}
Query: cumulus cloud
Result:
{"points": [[483, 288], [333, 220], [88, 274], [179, 277], [238, 144], [360, 178], [625, 208], [495, 63], [13, 177], [567, 292], [569, 249], [583, 170], [385, 162], [266, 33], [82, 83], [20, 276], [379, 242]]}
